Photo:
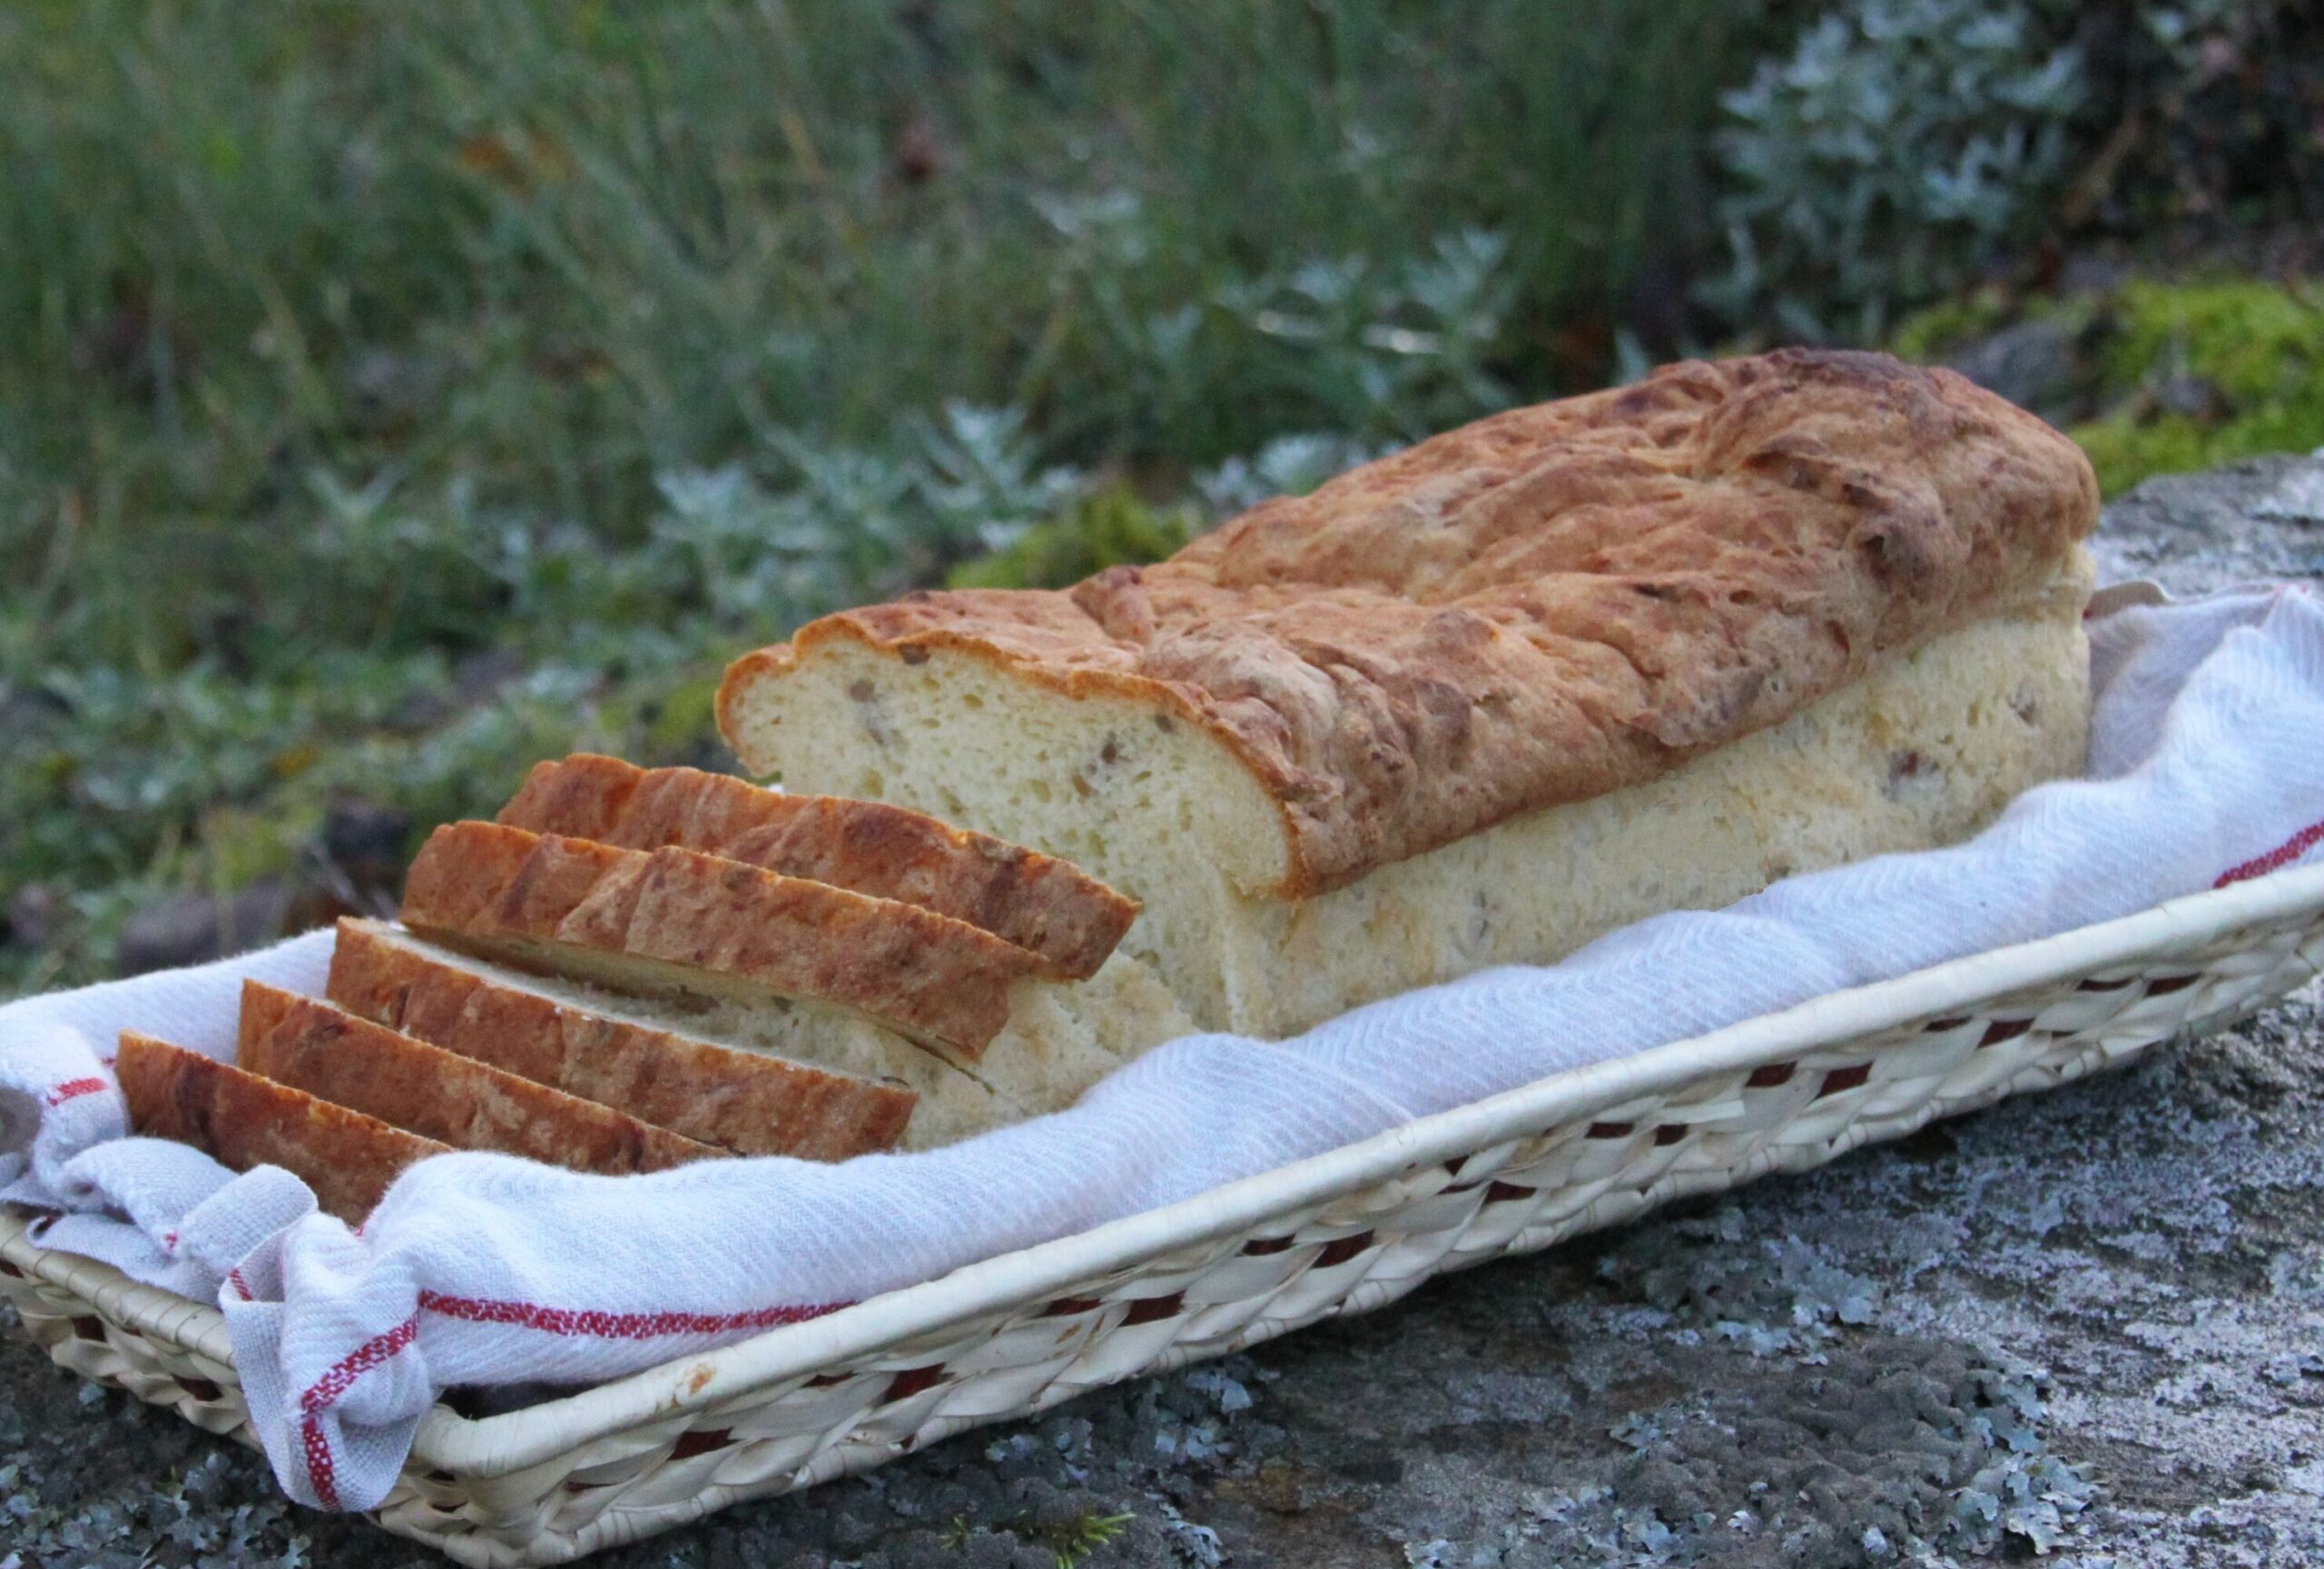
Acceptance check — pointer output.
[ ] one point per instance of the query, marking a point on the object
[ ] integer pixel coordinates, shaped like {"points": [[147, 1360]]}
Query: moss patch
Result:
{"points": [[2208, 373], [1935, 331], [1105, 528], [2168, 377]]}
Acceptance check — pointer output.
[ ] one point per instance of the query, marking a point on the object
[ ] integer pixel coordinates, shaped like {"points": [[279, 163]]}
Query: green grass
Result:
{"points": [[391, 395], [349, 353], [513, 261], [1070, 1543]]}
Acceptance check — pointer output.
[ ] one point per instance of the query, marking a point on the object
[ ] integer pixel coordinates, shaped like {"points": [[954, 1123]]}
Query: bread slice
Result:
{"points": [[716, 968], [666, 919], [311, 1045], [594, 1046], [1485, 700], [697, 944], [1051, 907], [243, 1120]]}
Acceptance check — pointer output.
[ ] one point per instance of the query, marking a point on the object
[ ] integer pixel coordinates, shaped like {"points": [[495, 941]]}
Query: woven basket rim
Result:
{"points": [[500, 1446]]}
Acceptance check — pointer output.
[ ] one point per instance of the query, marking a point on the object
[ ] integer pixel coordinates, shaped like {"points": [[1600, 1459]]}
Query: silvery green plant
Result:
{"points": [[1381, 349], [1286, 466], [2182, 30], [1887, 159], [982, 480], [852, 524]]}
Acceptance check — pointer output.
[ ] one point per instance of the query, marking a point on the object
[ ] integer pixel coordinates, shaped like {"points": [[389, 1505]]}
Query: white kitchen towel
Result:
{"points": [[2207, 766]]}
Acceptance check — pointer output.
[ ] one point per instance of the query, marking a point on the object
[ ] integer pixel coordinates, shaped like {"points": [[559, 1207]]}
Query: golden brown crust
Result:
{"points": [[1550, 603], [310, 1045], [737, 1100], [939, 981], [242, 1120], [1070, 919]]}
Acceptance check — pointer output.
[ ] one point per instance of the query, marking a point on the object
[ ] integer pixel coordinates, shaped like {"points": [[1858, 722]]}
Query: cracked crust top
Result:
{"points": [[1550, 603]]}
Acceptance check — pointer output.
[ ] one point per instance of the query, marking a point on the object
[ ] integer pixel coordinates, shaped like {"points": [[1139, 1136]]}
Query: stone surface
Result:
{"points": [[2261, 518], [2090, 1321], [2029, 362]]}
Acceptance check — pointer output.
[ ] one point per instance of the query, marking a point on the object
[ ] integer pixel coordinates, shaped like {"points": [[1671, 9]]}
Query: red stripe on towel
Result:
{"points": [[596, 1325], [71, 1090], [327, 1389], [2277, 859], [322, 1472]]}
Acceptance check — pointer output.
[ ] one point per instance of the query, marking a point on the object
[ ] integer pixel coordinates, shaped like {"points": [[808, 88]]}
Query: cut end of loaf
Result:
{"points": [[951, 730]]}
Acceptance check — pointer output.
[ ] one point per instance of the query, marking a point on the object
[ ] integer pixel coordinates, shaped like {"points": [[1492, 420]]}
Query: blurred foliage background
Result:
{"points": [[390, 395]]}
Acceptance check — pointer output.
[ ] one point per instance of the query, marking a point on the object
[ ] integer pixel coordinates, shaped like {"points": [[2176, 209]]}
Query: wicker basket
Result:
{"points": [[1341, 1233]]}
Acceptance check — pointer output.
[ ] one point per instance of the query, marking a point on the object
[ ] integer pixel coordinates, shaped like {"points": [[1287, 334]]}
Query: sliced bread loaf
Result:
{"points": [[242, 1120], [1051, 907], [309, 1044], [603, 1048]]}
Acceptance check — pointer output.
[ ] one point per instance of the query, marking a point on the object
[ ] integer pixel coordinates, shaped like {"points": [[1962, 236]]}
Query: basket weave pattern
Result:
{"points": [[1782, 1111]]}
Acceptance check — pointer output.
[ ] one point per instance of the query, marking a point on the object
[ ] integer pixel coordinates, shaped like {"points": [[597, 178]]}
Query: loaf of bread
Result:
{"points": [[1478, 703], [306, 1043], [245, 1120], [600, 1047], [1490, 697], [812, 974], [1050, 907]]}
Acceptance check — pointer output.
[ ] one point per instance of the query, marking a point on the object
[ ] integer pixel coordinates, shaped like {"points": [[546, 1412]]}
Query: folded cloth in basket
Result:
{"points": [[478, 1269]]}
